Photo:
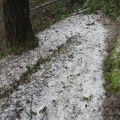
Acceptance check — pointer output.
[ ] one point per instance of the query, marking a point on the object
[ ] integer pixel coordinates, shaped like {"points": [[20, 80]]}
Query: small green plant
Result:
{"points": [[115, 82], [87, 98], [107, 76]]}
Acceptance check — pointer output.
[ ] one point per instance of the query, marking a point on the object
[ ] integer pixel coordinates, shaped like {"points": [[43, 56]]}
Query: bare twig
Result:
{"points": [[81, 12], [48, 14], [45, 4]]}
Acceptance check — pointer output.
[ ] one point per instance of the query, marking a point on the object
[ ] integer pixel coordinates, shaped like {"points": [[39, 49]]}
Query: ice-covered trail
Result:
{"points": [[70, 86]]}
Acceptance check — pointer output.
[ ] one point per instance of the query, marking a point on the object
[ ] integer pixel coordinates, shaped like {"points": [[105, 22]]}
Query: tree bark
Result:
{"points": [[17, 22]]}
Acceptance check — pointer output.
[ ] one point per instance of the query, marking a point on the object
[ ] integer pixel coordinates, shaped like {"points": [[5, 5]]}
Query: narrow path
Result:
{"points": [[70, 86]]}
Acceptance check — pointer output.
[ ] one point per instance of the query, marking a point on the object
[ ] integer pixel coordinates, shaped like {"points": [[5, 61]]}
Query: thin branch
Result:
{"points": [[45, 4]]}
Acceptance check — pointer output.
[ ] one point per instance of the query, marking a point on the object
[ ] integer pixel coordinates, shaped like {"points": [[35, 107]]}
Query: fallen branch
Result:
{"points": [[81, 12]]}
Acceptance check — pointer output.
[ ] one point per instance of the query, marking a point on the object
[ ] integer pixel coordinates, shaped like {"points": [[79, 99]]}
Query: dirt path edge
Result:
{"points": [[111, 105]]}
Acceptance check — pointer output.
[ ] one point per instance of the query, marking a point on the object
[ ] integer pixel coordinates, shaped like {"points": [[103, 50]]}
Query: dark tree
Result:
{"points": [[17, 23]]}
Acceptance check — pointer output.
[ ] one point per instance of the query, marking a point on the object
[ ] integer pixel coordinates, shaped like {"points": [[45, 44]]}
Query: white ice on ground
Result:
{"points": [[69, 87]]}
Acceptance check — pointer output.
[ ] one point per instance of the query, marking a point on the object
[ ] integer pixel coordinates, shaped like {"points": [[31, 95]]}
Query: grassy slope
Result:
{"points": [[109, 7], [112, 77], [112, 68]]}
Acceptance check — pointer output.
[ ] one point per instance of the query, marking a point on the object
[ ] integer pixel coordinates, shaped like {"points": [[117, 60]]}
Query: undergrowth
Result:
{"points": [[109, 7], [112, 68]]}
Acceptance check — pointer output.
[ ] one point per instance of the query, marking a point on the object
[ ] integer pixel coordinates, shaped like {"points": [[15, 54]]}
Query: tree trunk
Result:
{"points": [[17, 23]]}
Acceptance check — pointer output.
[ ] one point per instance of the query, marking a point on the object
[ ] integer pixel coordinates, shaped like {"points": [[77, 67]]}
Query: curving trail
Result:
{"points": [[70, 86]]}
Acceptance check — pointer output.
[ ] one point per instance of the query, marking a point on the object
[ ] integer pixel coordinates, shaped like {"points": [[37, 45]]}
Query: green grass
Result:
{"points": [[109, 7], [112, 68]]}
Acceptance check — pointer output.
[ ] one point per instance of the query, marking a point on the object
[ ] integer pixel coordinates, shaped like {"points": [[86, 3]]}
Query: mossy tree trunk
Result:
{"points": [[17, 23]]}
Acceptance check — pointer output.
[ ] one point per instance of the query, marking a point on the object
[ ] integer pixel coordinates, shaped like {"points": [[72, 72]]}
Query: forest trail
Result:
{"points": [[70, 85]]}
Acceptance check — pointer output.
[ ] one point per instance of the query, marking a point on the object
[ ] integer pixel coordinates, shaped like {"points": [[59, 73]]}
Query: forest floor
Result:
{"points": [[67, 86]]}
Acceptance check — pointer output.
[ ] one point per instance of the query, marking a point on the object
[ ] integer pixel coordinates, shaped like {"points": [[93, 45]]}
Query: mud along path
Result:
{"points": [[70, 86]]}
